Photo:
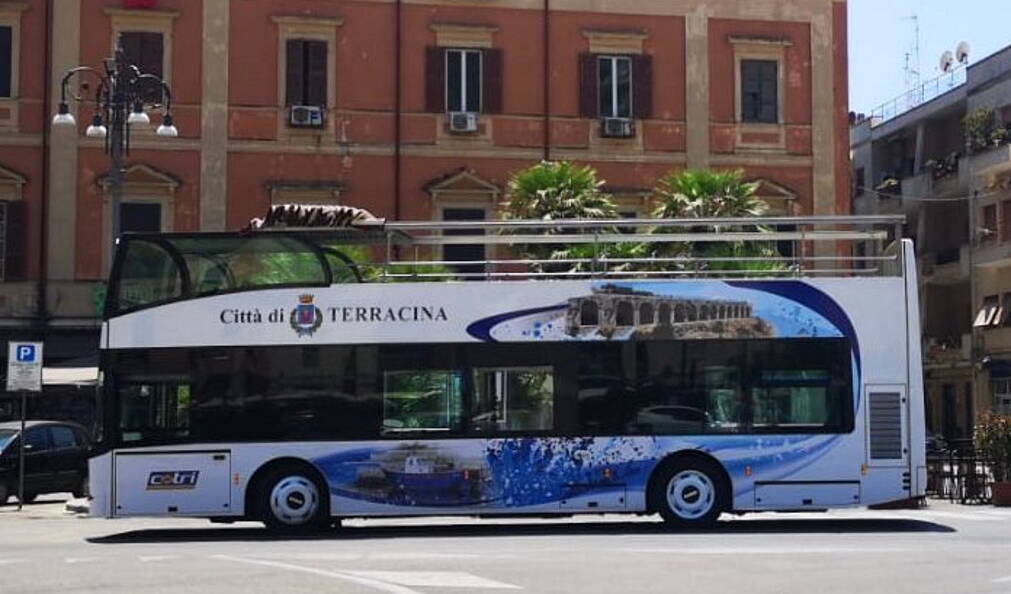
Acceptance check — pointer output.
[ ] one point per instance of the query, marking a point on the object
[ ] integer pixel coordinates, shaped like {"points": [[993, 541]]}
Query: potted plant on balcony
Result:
{"points": [[993, 440]]}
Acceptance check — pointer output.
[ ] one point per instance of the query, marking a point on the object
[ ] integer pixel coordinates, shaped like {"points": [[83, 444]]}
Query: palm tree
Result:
{"points": [[554, 190], [698, 194]]}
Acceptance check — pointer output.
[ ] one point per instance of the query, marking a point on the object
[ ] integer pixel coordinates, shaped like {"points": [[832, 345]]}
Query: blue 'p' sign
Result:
{"points": [[25, 353]]}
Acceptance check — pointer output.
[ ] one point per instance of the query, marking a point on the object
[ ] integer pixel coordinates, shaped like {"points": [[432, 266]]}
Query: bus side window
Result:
{"points": [[513, 399], [422, 400]]}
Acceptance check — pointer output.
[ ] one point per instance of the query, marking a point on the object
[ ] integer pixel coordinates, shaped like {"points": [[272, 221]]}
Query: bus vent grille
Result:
{"points": [[886, 426]]}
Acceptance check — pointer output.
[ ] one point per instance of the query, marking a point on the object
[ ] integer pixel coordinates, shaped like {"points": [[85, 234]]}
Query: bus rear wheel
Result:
{"points": [[690, 493], [291, 500]]}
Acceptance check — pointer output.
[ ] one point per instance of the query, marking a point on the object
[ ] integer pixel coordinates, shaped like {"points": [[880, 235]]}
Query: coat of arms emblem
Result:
{"points": [[306, 318]]}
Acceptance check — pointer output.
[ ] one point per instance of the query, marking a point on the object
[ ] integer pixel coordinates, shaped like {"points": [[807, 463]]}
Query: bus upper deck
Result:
{"points": [[296, 246]]}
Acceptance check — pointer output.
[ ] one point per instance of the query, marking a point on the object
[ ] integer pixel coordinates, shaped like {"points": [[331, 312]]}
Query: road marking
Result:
{"points": [[9, 561], [365, 581], [805, 550], [73, 560], [408, 556], [1003, 580], [155, 558], [436, 579]]}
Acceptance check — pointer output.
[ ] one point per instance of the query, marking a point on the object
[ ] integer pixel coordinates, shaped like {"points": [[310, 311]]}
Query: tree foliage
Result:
{"points": [[550, 191], [701, 194]]}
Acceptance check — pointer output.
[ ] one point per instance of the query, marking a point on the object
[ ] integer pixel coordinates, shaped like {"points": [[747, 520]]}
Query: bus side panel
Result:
{"points": [[917, 405], [100, 485]]}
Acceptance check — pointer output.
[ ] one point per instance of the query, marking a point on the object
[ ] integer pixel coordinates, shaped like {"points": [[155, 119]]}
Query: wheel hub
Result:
{"points": [[294, 500], [691, 494]]}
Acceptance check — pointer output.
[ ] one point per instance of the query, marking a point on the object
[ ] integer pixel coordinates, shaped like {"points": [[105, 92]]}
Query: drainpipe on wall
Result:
{"points": [[42, 294], [397, 109], [547, 80]]}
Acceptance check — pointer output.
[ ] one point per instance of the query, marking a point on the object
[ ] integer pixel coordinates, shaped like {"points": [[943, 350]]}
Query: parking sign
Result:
{"points": [[24, 366]]}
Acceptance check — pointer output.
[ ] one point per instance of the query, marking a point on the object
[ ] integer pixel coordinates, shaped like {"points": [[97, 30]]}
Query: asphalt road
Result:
{"points": [[945, 548]]}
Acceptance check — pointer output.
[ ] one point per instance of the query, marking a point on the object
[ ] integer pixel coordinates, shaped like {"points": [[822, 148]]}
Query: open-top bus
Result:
{"points": [[281, 375]]}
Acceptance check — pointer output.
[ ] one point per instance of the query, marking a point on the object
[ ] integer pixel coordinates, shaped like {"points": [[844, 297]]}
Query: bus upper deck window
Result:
{"points": [[147, 275]]}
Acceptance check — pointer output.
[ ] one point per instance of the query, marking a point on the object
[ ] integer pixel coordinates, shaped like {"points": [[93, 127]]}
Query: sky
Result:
{"points": [[882, 32]]}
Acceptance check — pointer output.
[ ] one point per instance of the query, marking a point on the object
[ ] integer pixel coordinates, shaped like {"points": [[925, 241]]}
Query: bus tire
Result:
{"points": [[293, 499], [690, 492], [5, 493]]}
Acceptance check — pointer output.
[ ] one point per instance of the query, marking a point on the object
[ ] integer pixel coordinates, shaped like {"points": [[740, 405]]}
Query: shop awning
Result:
{"points": [[70, 376]]}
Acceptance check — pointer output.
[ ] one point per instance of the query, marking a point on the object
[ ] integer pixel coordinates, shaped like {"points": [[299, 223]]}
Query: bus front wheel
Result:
{"points": [[291, 500], [690, 493]]}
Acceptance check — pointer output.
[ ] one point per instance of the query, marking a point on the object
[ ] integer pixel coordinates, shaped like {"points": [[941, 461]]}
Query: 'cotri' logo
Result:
{"points": [[168, 480]]}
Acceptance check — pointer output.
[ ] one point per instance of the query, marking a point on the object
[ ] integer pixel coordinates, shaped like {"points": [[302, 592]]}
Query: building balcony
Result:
{"points": [[992, 162], [946, 351], [948, 265], [993, 253]]}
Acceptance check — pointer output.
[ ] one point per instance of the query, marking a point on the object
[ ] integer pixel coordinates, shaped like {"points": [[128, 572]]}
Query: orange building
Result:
{"points": [[413, 109]]}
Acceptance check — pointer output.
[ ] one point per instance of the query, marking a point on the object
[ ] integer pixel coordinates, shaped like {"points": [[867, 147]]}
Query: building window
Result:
{"points": [[616, 86], [991, 314], [3, 240], [1002, 396], [6, 60], [989, 223], [463, 80], [140, 217], [760, 91], [1005, 220], [145, 50], [307, 72], [859, 182], [614, 83], [470, 252]]}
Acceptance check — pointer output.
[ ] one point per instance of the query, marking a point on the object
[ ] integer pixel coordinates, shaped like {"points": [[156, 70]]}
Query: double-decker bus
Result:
{"points": [[300, 375]]}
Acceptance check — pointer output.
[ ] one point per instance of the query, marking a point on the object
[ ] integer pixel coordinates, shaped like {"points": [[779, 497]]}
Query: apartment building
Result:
{"points": [[413, 109], [946, 164]]}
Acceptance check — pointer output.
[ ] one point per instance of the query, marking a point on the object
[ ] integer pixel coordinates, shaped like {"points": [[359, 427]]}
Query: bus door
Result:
{"points": [[171, 483]]}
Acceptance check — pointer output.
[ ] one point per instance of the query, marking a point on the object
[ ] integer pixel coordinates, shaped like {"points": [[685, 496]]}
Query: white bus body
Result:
{"points": [[879, 458]]}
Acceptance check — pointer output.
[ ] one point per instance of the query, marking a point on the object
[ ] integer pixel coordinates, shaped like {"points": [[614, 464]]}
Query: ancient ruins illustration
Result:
{"points": [[613, 311]]}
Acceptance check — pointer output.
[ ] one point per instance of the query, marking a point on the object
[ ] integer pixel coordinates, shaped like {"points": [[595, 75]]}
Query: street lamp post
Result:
{"points": [[122, 94]]}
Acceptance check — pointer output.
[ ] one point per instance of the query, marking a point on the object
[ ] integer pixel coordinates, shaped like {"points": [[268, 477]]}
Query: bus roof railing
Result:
{"points": [[308, 247]]}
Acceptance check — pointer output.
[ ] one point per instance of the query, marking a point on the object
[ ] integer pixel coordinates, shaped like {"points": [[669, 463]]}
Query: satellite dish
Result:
{"points": [[962, 53], [947, 61]]}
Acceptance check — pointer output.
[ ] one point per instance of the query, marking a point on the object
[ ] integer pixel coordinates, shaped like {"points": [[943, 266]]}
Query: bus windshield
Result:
{"points": [[162, 269]]}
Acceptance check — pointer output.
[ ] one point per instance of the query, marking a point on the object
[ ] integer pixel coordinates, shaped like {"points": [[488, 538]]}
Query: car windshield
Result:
{"points": [[6, 436]]}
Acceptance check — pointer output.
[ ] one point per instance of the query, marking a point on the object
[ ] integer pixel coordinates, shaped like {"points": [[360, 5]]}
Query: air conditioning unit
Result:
{"points": [[462, 121], [306, 116], [617, 128]]}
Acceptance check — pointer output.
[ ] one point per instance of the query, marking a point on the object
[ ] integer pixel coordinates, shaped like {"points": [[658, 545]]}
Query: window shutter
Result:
{"points": [[492, 83], [16, 237], [296, 72], [588, 85], [435, 79], [6, 52], [642, 81], [152, 53], [770, 93], [316, 69]]}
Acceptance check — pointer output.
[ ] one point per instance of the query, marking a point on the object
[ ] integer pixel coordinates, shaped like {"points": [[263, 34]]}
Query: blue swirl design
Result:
{"points": [[481, 329]]}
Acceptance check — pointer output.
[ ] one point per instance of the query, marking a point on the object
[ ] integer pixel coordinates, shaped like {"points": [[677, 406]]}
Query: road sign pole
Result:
{"points": [[24, 374], [21, 451]]}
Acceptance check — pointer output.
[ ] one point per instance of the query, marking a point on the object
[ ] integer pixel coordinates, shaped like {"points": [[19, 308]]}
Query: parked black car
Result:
{"points": [[56, 459]]}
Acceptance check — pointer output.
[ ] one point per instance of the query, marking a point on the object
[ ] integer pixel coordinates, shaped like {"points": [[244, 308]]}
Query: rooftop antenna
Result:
{"points": [[912, 67]]}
